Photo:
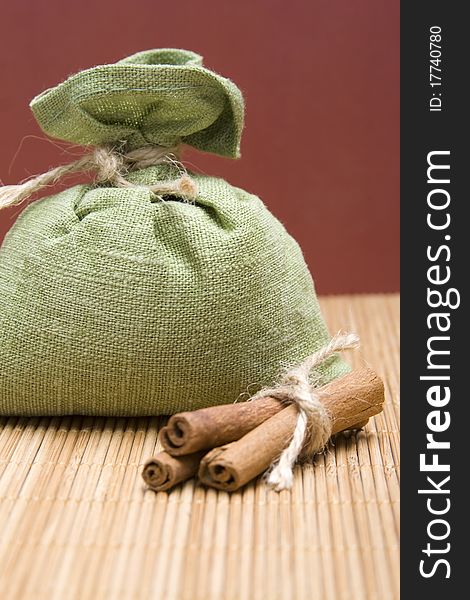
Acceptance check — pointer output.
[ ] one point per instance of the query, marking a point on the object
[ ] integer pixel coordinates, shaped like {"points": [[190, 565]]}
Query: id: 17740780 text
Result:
{"points": [[435, 68]]}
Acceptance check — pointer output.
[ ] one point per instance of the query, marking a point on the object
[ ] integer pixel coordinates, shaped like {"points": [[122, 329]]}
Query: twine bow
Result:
{"points": [[313, 427], [109, 165]]}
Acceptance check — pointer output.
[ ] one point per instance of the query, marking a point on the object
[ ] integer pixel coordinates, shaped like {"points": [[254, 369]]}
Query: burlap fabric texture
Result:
{"points": [[117, 302]]}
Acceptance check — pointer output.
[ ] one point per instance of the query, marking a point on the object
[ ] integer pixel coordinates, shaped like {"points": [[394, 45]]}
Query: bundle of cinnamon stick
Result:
{"points": [[229, 445]]}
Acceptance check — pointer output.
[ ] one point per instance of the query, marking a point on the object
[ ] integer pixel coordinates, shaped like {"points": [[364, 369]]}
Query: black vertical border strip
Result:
{"points": [[423, 131]]}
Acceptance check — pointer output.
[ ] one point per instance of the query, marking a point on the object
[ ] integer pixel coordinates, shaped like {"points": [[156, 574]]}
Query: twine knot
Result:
{"points": [[107, 165], [110, 165], [314, 426]]}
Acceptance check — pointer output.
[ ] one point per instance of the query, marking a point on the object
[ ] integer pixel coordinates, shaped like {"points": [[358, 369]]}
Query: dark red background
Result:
{"points": [[321, 84]]}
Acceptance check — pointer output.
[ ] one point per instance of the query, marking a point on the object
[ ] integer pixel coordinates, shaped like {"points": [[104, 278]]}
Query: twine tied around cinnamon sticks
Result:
{"points": [[314, 425], [228, 445], [110, 165]]}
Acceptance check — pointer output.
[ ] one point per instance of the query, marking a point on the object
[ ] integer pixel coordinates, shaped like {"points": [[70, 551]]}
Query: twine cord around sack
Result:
{"points": [[313, 427], [110, 166]]}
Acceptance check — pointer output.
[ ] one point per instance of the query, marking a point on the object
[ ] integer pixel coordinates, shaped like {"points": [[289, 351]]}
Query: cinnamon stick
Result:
{"points": [[164, 471], [210, 427], [350, 400]]}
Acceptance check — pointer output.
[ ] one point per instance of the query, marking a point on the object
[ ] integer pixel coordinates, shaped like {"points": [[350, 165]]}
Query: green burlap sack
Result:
{"points": [[117, 301]]}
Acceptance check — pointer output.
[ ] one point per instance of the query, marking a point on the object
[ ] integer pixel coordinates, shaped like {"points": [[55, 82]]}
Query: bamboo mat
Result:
{"points": [[77, 523]]}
